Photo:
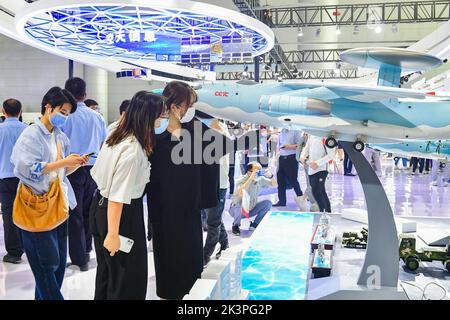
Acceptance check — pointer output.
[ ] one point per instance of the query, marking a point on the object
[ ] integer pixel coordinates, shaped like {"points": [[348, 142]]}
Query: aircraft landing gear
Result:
{"points": [[331, 142], [358, 146]]}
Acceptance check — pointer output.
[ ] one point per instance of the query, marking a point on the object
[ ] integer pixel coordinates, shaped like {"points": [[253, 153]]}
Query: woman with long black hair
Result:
{"points": [[121, 172], [181, 184]]}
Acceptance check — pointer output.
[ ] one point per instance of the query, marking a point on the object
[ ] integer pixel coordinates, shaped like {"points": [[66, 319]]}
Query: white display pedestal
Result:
{"points": [[360, 215]]}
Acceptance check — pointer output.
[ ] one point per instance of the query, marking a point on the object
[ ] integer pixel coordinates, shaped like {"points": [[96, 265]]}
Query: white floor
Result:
{"points": [[409, 196], [17, 282]]}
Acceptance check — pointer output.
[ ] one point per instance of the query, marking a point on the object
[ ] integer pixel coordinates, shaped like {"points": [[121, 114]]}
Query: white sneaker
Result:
{"points": [[314, 208], [301, 203], [150, 246]]}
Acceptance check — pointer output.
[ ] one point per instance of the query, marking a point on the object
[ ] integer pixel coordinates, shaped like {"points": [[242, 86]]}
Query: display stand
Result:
{"points": [[317, 238], [321, 265], [381, 263]]}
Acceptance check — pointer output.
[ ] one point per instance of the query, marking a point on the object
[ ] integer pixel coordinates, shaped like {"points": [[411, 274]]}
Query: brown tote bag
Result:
{"points": [[40, 213]]}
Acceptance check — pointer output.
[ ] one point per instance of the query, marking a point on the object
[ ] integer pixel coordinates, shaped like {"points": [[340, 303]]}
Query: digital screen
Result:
{"points": [[186, 50]]}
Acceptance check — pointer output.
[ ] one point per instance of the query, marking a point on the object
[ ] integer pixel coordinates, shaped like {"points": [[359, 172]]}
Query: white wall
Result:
{"points": [[120, 89], [27, 73]]}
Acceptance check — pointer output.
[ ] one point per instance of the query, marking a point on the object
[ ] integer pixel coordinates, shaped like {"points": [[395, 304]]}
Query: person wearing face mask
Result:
{"points": [[42, 160], [178, 190], [86, 131], [121, 173], [252, 183]]}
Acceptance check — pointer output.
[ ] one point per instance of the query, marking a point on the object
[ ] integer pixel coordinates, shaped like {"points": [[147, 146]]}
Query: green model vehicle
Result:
{"points": [[411, 256], [355, 240]]}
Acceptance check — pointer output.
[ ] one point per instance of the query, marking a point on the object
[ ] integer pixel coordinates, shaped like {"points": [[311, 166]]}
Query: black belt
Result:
{"points": [[287, 157]]}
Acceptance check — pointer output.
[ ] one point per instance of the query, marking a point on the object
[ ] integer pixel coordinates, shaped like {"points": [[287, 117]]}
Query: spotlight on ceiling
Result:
{"points": [[378, 29], [355, 30], [300, 32], [338, 30]]}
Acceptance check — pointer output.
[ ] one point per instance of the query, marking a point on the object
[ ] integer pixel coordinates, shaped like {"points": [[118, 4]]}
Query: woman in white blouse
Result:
{"points": [[121, 172], [317, 156]]}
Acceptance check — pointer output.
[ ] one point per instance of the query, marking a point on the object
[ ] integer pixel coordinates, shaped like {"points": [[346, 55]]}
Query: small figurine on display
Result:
{"points": [[321, 252], [325, 230], [325, 219]]}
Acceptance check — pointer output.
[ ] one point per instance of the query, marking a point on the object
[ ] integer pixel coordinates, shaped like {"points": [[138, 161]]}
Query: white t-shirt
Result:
{"points": [[111, 127], [316, 151], [122, 171]]}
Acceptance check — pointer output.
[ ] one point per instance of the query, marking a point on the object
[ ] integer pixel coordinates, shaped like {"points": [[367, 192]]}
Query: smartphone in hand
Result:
{"points": [[89, 154]]}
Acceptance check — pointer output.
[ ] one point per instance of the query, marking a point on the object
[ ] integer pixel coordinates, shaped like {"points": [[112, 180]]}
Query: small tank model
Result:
{"points": [[355, 240]]}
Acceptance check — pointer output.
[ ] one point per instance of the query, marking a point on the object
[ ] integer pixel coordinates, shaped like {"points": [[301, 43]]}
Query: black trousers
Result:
{"points": [[348, 165], [13, 238], [216, 229], [417, 162], [124, 276], [80, 237], [231, 178], [428, 164], [317, 182], [287, 173]]}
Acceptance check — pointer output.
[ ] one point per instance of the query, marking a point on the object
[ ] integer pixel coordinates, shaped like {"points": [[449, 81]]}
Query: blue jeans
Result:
{"points": [[47, 255], [260, 210], [404, 160]]}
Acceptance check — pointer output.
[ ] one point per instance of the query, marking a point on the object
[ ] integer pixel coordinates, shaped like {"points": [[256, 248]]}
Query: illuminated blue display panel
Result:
{"points": [[144, 33], [275, 267]]}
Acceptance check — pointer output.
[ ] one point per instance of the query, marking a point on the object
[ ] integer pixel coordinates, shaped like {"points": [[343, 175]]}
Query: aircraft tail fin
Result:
{"points": [[389, 76]]}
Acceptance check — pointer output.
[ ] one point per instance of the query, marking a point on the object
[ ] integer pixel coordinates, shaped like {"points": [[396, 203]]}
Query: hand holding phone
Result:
{"points": [[89, 154], [125, 244]]}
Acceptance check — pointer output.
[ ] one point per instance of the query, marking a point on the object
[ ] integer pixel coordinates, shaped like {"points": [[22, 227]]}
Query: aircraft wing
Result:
{"points": [[366, 94]]}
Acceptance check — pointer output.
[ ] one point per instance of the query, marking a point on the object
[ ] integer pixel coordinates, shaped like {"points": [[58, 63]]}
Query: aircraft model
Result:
{"points": [[363, 114], [437, 150]]}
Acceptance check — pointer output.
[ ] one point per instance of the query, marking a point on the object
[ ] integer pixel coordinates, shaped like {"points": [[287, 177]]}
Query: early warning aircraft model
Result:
{"points": [[363, 114], [436, 150]]}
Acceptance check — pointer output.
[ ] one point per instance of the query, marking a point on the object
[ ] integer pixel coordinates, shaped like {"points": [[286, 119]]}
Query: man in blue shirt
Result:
{"points": [[288, 142], [86, 131], [10, 131]]}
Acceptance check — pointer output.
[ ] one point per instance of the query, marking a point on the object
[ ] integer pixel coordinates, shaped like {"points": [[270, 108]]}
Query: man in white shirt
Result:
{"points": [[317, 156]]}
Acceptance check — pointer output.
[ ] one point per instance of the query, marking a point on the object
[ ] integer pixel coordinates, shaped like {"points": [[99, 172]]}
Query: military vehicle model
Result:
{"points": [[355, 240], [411, 255]]}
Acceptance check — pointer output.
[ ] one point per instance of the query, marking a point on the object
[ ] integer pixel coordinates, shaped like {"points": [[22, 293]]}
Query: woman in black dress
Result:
{"points": [[177, 192]]}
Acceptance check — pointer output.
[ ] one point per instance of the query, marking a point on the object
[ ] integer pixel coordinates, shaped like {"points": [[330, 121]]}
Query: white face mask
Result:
{"points": [[190, 113]]}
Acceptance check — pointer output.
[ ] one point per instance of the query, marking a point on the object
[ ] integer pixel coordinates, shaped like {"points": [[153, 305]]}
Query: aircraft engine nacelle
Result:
{"points": [[294, 105]]}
